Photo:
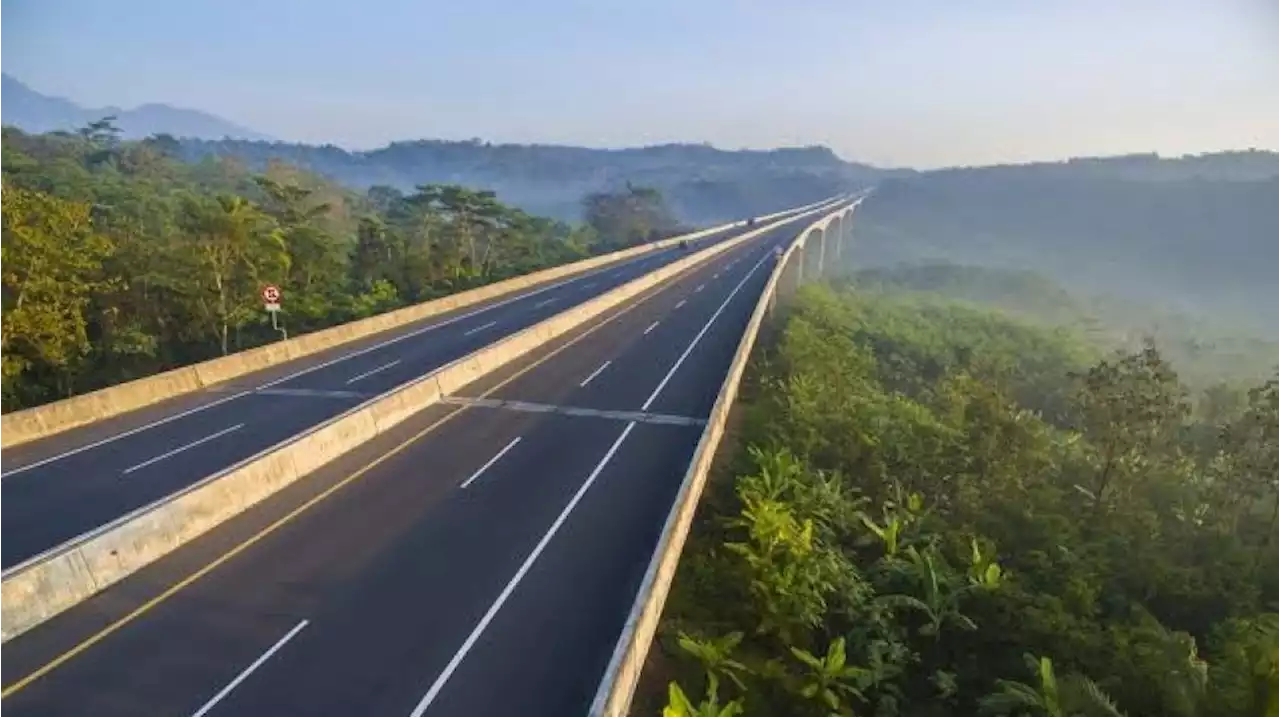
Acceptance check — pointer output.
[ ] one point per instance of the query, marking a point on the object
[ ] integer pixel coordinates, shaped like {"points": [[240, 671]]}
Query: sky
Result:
{"points": [[922, 83]]}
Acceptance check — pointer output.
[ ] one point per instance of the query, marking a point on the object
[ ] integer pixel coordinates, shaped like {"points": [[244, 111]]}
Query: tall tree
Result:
{"points": [[1244, 487], [235, 250], [190, 245], [1130, 408], [474, 218], [316, 263], [630, 217], [52, 265]]}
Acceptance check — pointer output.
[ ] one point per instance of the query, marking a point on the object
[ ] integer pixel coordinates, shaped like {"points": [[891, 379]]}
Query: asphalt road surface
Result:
{"points": [[62, 487], [479, 560]]}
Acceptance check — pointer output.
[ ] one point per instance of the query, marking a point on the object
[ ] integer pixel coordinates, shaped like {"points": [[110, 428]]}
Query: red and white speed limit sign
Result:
{"points": [[271, 294]]}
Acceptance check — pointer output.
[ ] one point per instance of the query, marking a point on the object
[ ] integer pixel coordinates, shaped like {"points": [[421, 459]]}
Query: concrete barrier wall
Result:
{"points": [[23, 426], [50, 583], [613, 698]]}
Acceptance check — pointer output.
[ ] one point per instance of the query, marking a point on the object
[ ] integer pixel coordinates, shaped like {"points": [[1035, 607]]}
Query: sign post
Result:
{"points": [[271, 296]]}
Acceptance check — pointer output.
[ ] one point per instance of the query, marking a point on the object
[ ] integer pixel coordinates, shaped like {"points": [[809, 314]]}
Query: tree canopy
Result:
{"points": [[1200, 245], [120, 260], [702, 184], [936, 509], [634, 216], [1205, 351]]}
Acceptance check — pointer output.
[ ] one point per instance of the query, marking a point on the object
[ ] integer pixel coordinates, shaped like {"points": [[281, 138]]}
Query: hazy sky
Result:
{"points": [[891, 82]]}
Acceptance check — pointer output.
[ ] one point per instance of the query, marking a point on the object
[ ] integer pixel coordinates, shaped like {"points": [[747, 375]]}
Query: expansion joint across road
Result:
{"points": [[530, 407]]}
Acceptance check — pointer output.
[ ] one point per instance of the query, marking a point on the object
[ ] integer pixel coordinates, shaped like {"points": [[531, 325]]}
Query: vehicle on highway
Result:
{"points": [[684, 245], [777, 253], [751, 221]]}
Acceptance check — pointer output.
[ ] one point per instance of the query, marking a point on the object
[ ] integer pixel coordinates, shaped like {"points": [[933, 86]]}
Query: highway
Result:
{"points": [[479, 560], [62, 487]]}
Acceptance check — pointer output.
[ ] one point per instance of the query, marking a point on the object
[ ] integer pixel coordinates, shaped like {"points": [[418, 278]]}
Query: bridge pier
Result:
{"points": [[838, 237], [811, 266], [820, 252], [843, 234], [790, 278]]}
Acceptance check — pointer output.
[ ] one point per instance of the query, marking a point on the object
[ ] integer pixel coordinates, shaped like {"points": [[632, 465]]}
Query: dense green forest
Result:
{"points": [[1205, 248], [1239, 165], [707, 184], [120, 260], [938, 509], [1206, 352]]}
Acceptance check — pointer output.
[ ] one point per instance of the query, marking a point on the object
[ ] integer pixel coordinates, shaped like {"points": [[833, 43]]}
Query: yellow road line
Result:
{"points": [[250, 541]]}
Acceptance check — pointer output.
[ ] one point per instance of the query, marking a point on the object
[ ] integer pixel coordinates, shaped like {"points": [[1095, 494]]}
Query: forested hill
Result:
{"points": [[1244, 165], [121, 261], [1206, 352], [706, 184], [928, 509], [702, 183], [1195, 245]]}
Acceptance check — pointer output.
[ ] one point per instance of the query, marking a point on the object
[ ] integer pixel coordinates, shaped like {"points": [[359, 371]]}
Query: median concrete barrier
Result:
{"points": [[46, 585], [613, 697], [21, 427]]}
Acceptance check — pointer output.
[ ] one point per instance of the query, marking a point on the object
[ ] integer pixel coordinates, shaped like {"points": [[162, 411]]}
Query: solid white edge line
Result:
{"points": [[705, 327], [489, 464], [180, 449], [652, 326], [478, 329], [367, 374], [595, 373], [249, 670], [480, 627]]}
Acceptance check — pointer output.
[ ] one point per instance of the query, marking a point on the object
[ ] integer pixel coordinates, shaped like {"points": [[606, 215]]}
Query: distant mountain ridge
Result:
{"points": [[33, 111], [702, 183], [1231, 165]]}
